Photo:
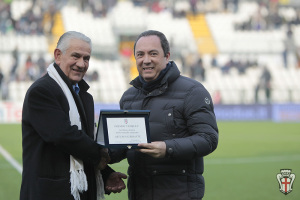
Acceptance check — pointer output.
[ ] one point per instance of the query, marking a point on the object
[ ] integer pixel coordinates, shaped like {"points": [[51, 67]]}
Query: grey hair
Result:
{"points": [[64, 41]]}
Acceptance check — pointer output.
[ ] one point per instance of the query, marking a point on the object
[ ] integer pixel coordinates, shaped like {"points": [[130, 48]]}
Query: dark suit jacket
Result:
{"points": [[49, 140]]}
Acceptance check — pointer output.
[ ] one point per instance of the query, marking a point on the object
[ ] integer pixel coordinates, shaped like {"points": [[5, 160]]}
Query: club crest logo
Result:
{"points": [[126, 121], [286, 180]]}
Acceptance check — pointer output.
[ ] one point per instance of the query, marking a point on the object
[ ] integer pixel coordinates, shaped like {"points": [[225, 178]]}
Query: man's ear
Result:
{"points": [[168, 56], [57, 55]]}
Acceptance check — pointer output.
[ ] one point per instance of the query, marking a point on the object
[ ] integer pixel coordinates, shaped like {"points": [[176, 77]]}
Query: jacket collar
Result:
{"points": [[172, 74]]}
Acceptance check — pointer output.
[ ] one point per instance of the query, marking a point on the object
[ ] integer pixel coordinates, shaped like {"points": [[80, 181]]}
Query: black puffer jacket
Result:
{"points": [[182, 115]]}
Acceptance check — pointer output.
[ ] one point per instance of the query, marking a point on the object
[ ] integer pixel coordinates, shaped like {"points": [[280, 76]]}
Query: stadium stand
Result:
{"points": [[98, 29], [242, 39]]}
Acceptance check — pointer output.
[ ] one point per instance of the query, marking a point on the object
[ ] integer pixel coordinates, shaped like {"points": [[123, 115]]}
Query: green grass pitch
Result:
{"points": [[244, 166]]}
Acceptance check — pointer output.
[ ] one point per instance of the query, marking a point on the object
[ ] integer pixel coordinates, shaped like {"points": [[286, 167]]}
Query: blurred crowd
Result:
{"points": [[268, 17], [39, 19], [36, 20]]}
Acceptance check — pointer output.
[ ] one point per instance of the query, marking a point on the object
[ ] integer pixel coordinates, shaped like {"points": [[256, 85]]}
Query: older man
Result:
{"points": [[61, 160]]}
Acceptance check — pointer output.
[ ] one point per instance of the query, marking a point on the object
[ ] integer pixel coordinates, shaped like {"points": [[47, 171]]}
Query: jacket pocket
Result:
{"points": [[58, 189], [196, 186], [169, 181], [170, 186], [169, 119]]}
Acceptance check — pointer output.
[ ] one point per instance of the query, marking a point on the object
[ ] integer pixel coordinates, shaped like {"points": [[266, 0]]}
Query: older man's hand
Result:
{"points": [[115, 182]]}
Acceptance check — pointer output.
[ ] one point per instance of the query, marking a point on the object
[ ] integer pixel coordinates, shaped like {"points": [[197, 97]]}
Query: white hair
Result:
{"points": [[64, 41]]}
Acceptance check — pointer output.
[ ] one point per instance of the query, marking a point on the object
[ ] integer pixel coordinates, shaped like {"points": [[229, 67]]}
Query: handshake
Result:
{"points": [[114, 182]]}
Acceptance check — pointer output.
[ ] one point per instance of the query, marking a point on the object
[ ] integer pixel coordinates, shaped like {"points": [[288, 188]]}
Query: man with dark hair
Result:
{"points": [[183, 126], [61, 160]]}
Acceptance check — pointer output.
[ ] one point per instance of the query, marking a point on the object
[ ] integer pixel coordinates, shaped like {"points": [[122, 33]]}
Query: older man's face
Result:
{"points": [[75, 61]]}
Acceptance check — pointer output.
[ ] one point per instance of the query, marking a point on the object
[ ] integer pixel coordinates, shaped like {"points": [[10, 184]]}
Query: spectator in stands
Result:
{"points": [[269, 17], [193, 5], [29, 24], [139, 2], [225, 5], [6, 20], [257, 21], [5, 90], [95, 76], [275, 19], [30, 69], [83, 5], [290, 47], [228, 65], [49, 18], [1, 80], [198, 70], [41, 63], [61, 160], [214, 61], [156, 7], [285, 57], [296, 19], [183, 61], [235, 5], [182, 124], [15, 56], [241, 67], [264, 84], [108, 4]]}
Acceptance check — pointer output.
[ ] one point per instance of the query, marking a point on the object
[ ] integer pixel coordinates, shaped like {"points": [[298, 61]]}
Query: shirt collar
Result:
{"points": [[76, 88]]}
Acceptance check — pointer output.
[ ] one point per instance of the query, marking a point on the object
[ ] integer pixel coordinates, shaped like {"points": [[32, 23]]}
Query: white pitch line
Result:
{"points": [[11, 160], [216, 161], [212, 161]]}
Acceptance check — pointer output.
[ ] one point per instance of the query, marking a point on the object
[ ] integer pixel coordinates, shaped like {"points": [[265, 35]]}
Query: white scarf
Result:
{"points": [[77, 176]]}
